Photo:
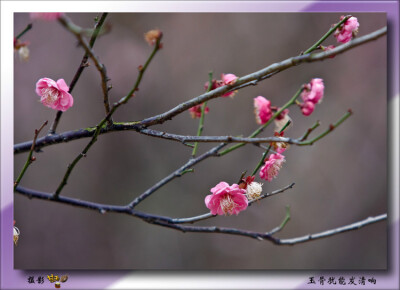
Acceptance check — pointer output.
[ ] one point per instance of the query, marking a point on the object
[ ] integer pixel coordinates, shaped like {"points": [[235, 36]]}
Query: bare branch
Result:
{"points": [[176, 173], [26, 29], [267, 236], [101, 125], [350, 227], [67, 23], [309, 130], [30, 158], [184, 139], [283, 224], [78, 73]]}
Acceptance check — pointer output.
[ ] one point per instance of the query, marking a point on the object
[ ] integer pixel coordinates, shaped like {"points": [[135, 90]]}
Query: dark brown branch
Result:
{"points": [[67, 23], [135, 126], [101, 124], [175, 174], [79, 71]]}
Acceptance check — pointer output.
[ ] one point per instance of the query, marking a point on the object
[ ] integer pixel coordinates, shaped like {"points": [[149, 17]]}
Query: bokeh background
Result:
{"points": [[339, 180]]}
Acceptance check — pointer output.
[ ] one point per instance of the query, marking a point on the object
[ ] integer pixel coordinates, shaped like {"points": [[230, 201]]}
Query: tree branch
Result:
{"points": [[283, 224], [176, 173], [166, 222], [100, 125], [246, 80], [27, 28], [184, 139], [335, 231], [78, 73], [280, 66], [67, 23], [30, 159]]}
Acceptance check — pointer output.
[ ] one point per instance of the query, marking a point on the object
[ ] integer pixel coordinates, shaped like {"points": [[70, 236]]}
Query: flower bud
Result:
{"points": [[23, 53], [152, 36]]}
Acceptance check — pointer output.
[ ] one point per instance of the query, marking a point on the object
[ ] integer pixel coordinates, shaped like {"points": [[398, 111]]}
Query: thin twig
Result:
{"points": [[80, 69], [335, 231], [75, 161], [309, 130], [99, 126], [30, 159], [67, 23], [175, 174], [27, 28], [329, 130], [201, 121], [283, 224]]}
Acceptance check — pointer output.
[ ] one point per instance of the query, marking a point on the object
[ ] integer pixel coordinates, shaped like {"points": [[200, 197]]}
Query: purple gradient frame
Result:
{"points": [[17, 279]]}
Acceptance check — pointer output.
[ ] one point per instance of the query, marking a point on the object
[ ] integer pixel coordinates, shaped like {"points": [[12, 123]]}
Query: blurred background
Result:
{"points": [[339, 180]]}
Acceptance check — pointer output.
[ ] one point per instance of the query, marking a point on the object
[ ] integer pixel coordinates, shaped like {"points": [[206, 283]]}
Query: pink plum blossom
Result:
{"points": [[347, 30], [54, 94], [307, 108], [312, 94], [272, 166], [195, 111], [226, 200], [46, 16], [262, 110], [313, 91], [229, 79]]}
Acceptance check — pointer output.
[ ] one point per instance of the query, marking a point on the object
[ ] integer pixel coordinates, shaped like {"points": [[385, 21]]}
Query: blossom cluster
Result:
{"points": [[231, 199], [226, 79], [345, 32], [228, 200], [312, 94]]}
